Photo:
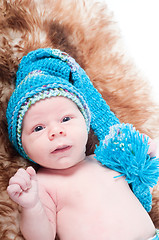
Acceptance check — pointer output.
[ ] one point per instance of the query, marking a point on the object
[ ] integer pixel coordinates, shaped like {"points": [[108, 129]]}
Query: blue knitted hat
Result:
{"points": [[44, 73]]}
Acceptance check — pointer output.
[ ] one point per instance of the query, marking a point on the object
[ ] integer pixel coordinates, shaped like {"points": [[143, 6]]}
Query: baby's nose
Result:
{"points": [[55, 132]]}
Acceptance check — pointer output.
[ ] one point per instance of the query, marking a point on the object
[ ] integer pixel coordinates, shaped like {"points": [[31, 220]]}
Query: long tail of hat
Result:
{"points": [[102, 118]]}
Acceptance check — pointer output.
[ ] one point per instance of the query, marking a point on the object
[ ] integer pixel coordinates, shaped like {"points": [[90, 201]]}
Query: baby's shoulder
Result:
{"points": [[94, 165]]}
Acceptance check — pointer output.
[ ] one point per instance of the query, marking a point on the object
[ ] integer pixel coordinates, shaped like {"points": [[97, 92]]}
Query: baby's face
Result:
{"points": [[54, 133]]}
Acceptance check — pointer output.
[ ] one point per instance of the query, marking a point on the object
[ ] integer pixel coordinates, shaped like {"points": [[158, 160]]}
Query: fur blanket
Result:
{"points": [[85, 30]]}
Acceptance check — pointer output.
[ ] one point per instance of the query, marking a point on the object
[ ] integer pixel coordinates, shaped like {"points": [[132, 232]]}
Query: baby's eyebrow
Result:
{"points": [[31, 123]]}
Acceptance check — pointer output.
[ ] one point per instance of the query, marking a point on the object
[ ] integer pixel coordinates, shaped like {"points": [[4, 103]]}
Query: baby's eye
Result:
{"points": [[38, 128], [65, 119]]}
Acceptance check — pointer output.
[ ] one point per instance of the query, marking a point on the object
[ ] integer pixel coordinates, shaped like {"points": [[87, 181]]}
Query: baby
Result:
{"points": [[72, 194]]}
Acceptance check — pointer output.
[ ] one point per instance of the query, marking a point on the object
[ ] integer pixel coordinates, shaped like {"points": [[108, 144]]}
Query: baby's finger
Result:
{"points": [[22, 178], [14, 191], [23, 173], [20, 181], [32, 173], [152, 151]]}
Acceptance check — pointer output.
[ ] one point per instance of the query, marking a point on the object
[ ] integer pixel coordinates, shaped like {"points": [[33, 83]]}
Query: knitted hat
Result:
{"points": [[44, 73], [41, 74]]}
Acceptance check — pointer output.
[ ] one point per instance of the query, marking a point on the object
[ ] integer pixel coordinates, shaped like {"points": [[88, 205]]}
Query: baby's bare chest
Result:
{"points": [[88, 185], [84, 203], [91, 201]]}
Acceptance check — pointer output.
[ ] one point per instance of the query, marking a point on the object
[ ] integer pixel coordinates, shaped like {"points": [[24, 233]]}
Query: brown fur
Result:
{"points": [[85, 30]]}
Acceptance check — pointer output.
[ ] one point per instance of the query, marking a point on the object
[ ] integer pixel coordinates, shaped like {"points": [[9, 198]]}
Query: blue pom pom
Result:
{"points": [[125, 151]]}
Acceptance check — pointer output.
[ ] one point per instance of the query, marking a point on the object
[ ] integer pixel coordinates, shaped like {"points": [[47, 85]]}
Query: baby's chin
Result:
{"points": [[63, 165]]}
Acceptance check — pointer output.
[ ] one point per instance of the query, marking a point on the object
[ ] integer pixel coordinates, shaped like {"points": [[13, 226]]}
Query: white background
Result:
{"points": [[138, 21]]}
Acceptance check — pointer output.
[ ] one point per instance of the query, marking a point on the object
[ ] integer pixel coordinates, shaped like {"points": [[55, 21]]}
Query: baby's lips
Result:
{"points": [[61, 148]]}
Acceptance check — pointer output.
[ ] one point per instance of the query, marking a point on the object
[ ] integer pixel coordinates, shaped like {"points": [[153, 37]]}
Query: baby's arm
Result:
{"points": [[34, 224]]}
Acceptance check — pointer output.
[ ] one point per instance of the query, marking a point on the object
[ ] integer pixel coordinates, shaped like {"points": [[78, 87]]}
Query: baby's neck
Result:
{"points": [[72, 169]]}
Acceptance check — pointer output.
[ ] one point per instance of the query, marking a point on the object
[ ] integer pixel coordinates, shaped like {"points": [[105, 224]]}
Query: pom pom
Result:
{"points": [[125, 151]]}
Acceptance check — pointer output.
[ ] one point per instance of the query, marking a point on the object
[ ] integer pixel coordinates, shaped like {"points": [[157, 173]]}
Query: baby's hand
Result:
{"points": [[23, 188], [152, 148]]}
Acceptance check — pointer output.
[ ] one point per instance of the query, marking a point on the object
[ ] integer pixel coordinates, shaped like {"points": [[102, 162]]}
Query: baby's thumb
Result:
{"points": [[32, 173]]}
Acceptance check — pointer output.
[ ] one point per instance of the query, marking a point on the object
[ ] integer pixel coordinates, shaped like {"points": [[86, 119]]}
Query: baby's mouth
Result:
{"points": [[61, 149]]}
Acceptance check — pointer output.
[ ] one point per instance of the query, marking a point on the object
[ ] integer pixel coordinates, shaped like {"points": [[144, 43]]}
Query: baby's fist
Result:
{"points": [[23, 188]]}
